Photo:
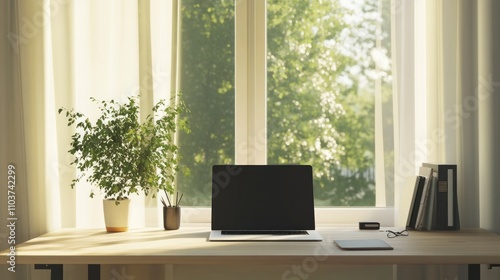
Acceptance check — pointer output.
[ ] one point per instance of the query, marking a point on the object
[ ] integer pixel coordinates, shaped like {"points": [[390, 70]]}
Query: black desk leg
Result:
{"points": [[94, 272], [56, 270], [474, 272]]}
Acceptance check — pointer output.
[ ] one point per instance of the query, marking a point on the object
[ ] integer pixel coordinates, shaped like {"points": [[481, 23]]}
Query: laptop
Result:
{"points": [[263, 203]]}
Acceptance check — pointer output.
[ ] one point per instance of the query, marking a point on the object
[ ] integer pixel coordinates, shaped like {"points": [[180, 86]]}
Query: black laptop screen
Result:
{"points": [[262, 197]]}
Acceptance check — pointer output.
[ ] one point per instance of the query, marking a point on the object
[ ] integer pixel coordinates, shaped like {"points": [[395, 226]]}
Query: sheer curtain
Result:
{"points": [[59, 53], [448, 79]]}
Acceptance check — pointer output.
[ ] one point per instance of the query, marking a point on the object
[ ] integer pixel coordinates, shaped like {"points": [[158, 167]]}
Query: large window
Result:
{"points": [[328, 99], [208, 88]]}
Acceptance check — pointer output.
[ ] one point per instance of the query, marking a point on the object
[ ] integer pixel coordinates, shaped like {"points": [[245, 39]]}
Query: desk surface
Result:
{"points": [[189, 245]]}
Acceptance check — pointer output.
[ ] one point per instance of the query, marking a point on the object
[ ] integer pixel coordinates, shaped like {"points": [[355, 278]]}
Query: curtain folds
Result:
{"points": [[12, 136], [59, 53], [448, 71]]}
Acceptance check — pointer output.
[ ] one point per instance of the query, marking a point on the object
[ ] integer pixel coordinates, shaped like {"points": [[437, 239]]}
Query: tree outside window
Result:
{"points": [[326, 61]]}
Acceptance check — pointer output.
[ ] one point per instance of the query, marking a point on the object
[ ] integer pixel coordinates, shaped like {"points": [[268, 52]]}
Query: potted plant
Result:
{"points": [[120, 156]]}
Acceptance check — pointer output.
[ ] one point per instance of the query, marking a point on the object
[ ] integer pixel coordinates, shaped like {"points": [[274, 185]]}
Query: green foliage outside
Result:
{"points": [[208, 90], [321, 75]]}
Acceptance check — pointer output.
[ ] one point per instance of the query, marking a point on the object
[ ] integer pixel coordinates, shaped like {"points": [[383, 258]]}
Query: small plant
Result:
{"points": [[119, 155]]}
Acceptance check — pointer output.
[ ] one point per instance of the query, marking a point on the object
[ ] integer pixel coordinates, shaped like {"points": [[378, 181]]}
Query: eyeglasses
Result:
{"points": [[392, 234]]}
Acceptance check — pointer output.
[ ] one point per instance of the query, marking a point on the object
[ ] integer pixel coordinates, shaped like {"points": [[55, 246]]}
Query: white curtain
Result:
{"points": [[448, 80], [59, 53]]}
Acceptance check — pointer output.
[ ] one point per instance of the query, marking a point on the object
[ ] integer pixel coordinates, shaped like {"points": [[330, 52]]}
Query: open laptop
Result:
{"points": [[263, 203]]}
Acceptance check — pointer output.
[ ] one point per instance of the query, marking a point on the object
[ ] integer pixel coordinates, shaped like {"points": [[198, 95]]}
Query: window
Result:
{"points": [[207, 83], [312, 86]]}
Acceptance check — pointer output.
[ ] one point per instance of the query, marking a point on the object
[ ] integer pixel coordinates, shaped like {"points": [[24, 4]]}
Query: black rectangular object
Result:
{"points": [[262, 197], [446, 204], [369, 225], [415, 203]]}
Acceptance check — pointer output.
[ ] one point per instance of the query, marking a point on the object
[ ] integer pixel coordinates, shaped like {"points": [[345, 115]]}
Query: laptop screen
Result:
{"points": [[262, 197]]}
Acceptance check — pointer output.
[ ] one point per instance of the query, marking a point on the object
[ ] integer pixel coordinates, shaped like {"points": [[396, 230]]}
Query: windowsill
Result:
{"points": [[325, 216]]}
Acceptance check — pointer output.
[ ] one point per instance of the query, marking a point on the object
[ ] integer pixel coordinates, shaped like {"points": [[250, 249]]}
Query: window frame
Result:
{"points": [[251, 119]]}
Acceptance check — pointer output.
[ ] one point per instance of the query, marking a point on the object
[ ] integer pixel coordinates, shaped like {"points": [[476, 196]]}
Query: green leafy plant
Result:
{"points": [[121, 156]]}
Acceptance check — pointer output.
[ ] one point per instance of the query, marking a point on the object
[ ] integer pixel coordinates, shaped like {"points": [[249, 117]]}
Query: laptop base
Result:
{"points": [[216, 235]]}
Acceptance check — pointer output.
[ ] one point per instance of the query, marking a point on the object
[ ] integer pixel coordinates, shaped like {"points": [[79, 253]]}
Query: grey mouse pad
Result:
{"points": [[363, 244]]}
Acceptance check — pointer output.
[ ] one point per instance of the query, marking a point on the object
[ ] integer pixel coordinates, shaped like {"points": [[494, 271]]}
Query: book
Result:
{"points": [[430, 214], [411, 222], [446, 202], [425, 172]]}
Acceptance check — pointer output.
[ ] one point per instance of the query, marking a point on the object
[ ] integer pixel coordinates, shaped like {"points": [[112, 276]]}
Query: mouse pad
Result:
{"points": [[363, 244]]}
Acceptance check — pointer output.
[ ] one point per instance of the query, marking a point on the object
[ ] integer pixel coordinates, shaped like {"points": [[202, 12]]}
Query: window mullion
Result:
{"points": [[250, 80]]}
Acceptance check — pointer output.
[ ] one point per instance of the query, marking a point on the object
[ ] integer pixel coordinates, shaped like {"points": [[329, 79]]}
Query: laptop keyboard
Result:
{"points": [[272, 232]]}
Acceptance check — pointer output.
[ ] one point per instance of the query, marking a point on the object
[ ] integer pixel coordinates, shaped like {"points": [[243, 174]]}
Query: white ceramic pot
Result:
{"points": [[116, 216]]}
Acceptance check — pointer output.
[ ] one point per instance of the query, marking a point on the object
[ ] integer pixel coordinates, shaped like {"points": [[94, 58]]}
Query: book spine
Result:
{"points": [[419, 185], [410, 210], [447, 217], [430, 217], [425, 172], [450, 204]]}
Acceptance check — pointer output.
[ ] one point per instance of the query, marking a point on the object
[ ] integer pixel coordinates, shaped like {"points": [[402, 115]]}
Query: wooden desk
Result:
{"points": [[189, 245]]}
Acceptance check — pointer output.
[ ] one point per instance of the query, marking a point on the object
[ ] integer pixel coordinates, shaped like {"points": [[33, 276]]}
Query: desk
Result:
{"points": [[189, 245]]}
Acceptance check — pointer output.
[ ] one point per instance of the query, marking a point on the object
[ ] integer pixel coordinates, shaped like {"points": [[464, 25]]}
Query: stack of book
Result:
{"points": [[434, 202]]}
